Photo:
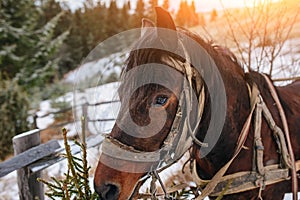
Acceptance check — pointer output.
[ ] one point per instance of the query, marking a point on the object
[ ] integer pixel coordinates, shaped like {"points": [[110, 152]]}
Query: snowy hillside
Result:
{"points": [[97, 70]]}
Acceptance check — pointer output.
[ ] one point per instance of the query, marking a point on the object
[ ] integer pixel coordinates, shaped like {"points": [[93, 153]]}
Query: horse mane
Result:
{"points": [[218, 52]]}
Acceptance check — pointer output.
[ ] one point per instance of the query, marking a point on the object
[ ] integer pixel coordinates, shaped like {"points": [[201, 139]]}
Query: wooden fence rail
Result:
{"points": [[84, 108], [31, 157]]}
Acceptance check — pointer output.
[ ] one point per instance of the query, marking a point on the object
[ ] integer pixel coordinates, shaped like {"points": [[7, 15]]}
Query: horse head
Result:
{"points": [[153, 106]]}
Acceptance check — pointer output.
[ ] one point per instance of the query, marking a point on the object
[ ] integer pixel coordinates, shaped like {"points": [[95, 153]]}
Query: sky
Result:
{"points": [[201, 5]]}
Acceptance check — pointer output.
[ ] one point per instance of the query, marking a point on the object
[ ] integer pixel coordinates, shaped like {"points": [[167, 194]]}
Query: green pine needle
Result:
{"points": [[75, 184]]}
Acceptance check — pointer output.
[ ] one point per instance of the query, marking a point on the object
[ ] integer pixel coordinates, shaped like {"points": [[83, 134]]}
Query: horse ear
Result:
{"points": [[164, 20], [146, 23]]}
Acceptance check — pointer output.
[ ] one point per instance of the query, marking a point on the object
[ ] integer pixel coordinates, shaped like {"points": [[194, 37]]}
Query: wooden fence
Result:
{"points": [[84, 108], [31, 157]]}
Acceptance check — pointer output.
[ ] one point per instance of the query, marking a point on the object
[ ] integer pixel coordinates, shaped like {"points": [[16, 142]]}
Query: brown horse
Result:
{"points": [[156, 89]]}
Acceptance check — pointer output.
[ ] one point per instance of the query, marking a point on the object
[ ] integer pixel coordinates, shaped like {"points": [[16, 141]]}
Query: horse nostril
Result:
{"points": [[108, 192]]}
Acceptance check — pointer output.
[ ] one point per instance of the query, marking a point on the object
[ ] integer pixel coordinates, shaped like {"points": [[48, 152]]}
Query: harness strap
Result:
{"points": [[287, 137], [233, 183], [188, 90], [261, 175], [241, 141], [278, 135], [247, 180], [259, 148]]}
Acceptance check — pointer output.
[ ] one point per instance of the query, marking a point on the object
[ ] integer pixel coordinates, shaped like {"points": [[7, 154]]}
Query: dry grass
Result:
{"points": [[54, 131]]}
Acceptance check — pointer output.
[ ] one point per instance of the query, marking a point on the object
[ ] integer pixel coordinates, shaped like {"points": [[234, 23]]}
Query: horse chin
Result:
{"points": [[131, 194], [127, 195]]}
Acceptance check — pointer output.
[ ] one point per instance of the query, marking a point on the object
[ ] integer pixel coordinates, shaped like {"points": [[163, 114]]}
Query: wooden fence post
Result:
{"points": [[35, 121], [85, 114], [29, 187]]}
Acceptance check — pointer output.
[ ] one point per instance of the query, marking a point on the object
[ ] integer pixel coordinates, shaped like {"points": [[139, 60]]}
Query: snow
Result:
{"points": [[9, 187], [45, 107], [99, 68], [104, 93], [71, 128], [286, 64]]}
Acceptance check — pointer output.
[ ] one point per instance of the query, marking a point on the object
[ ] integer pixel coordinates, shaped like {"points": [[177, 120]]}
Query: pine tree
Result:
{"points": [[213, 15], [75, 184], [186, 15], [92, 25], [194, 20], [201, 19], [183, 14], [14, 37], [139, 13], [151, 9], [98, 20], [50, 9], [166, 4], [76, 42], [27, 47], [14, 106], [27, 62], [125, 16], [113, 18]]}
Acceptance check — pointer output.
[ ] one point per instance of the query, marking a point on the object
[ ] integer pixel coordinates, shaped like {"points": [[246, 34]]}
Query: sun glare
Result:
{"points": [[205, 5]]}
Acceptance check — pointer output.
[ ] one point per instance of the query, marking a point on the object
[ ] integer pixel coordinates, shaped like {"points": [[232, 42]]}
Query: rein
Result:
{"points": [[209, 188]]}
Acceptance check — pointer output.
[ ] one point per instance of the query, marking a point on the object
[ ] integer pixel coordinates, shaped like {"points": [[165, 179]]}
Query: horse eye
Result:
{"points": [[161, 100]]}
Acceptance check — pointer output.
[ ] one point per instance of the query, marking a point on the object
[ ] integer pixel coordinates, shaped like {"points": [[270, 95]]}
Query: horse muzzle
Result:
{"points": [[115, 183]]}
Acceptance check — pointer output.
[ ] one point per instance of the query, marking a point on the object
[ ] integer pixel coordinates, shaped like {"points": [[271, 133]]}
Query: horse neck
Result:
{"points": [[237, 111]]}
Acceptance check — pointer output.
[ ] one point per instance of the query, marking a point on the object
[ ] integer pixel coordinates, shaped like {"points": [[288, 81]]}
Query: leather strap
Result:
{"points": [[287, 137], [269, 174], [254, 98]]}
